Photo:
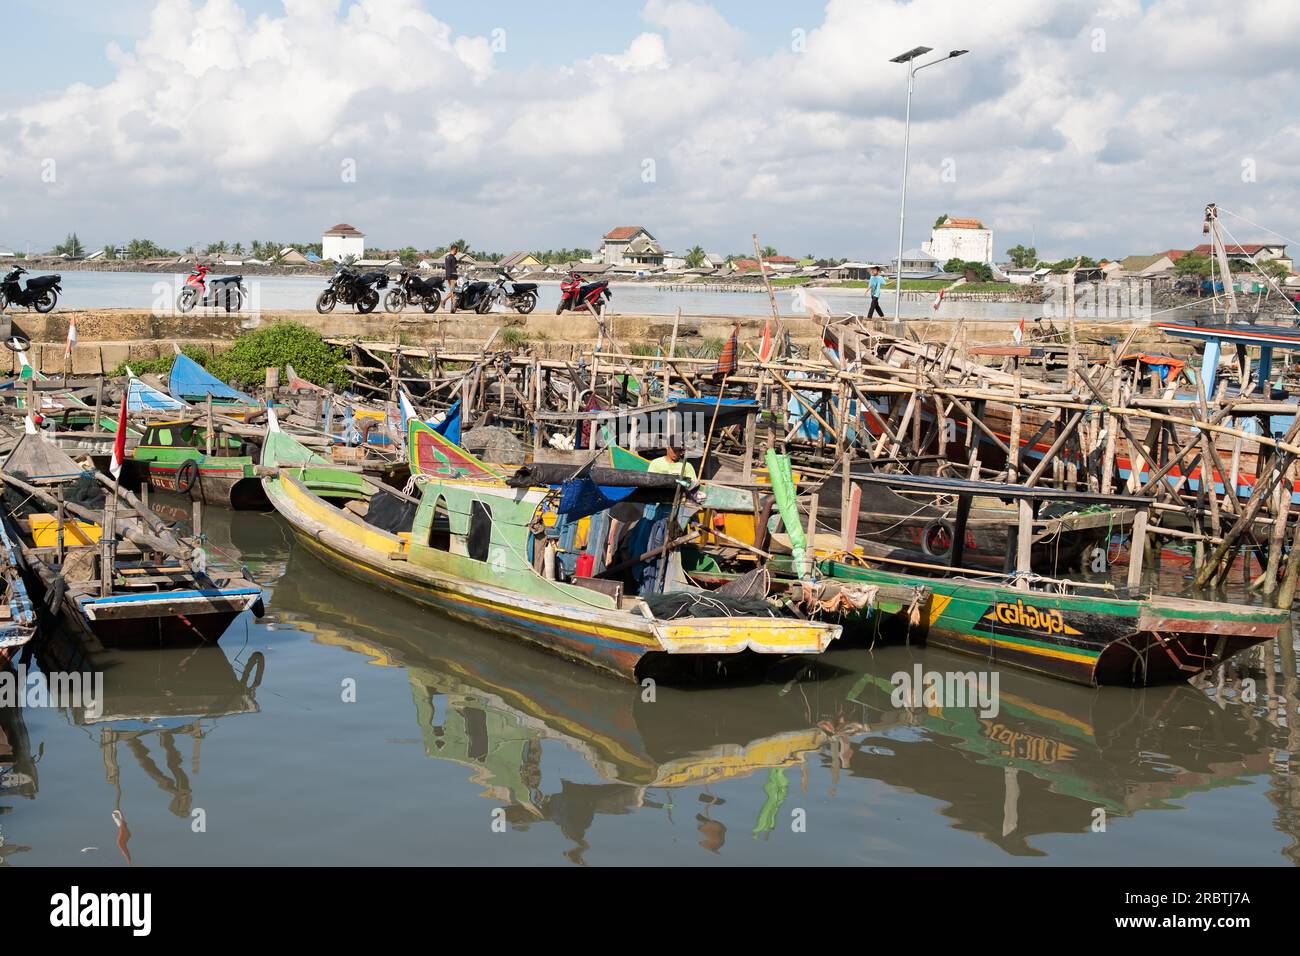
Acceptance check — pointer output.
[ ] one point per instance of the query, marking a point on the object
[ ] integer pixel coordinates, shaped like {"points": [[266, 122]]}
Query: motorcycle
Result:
{"points": [[520, 296], [41, 293], [227, 292], [583, 296], [469, 296], [411, 290], [352, 288]]}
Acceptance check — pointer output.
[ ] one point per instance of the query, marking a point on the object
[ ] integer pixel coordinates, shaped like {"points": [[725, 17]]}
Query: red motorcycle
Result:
{"points": [[583, 296], [227, 292]]}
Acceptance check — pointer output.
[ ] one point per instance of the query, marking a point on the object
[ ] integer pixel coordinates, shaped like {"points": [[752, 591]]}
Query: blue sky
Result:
{"points": [[1093, 126]]}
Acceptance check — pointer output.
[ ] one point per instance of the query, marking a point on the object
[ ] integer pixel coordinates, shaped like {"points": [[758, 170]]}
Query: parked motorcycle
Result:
{"points": [[227, 292], [352, 288], [469, 296], [520, 296], [412, 290], [41, 292], [583, 296]]}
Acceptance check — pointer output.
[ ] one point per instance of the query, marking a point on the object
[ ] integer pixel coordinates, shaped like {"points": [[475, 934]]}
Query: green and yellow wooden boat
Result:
{"points": [[172, 456], [477, 549], [1084, 638]]}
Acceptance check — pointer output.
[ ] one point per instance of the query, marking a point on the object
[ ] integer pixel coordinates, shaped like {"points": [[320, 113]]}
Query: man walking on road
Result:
{"points": [[452, 265], [877, 282]]}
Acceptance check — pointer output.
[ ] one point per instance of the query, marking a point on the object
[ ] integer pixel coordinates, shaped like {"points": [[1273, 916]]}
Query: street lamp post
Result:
{"points": [[909, 58]]}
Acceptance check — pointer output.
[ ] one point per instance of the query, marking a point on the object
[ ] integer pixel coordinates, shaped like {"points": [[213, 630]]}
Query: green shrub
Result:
{"points": [[275, 346], [162, 364]]}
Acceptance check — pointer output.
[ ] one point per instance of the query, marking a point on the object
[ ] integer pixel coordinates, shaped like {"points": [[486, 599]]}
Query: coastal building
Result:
{"points": [[714, 261], [859, 270], [519, 262], [780, 263], [643, 251], [615, 243], [290, 256], [1146, 266], [343, 242], [1252, 253], [966, 239], [917, 264]]}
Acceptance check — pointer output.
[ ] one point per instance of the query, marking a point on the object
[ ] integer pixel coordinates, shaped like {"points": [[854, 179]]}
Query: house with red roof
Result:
{"points": [[1251, 253], [343, 243], [960, 238], [614, 244]]}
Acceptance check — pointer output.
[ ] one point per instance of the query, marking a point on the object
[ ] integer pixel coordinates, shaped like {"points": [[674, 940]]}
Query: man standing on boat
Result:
{"points": [[673, 462], [877, 282], [452, 265]]}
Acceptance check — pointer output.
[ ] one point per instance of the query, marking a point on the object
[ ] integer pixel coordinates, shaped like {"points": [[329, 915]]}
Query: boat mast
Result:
{"points": [[1211, 228]]}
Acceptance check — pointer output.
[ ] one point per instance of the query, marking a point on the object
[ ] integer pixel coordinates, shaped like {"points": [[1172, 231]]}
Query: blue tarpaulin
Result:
{"points": [[191, 382], [582, 496], [142, 398]]}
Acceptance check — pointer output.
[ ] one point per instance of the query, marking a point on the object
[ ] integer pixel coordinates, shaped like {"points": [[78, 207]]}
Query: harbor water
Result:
{"points": [[147, 290], [349, 727]]}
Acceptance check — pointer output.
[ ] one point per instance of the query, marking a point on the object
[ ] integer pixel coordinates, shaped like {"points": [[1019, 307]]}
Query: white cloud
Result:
{"points": [[218, 124]]}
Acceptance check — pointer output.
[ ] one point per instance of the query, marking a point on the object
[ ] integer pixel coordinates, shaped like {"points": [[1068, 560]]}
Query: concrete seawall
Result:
{"points": [[108, 337]]}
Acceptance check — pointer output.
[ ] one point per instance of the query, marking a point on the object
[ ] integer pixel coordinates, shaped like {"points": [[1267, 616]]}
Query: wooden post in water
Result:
{"points": [[1024, 544], [62, 516], [810, 552], [849, 520], [207, 444], [106, 543], [1137, 548]]}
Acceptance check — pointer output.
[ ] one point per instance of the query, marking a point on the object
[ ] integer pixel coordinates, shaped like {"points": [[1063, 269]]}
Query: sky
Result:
{"points": [[1096, 128]]}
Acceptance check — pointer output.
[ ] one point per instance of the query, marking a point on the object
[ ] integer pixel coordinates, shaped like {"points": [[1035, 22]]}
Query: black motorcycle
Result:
{"points": [[470, 296], [412, 290], [520, 296], [41, 293], [352, 288]]}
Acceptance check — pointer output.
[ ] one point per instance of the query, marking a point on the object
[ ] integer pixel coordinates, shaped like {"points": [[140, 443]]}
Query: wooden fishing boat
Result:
{"points": [[106, 566], [1084, 638], [17, 616], [475, 548], [176, 457]]}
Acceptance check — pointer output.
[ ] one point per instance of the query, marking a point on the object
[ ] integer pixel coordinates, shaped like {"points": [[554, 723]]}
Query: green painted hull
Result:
{"points": [[1082, 638]]}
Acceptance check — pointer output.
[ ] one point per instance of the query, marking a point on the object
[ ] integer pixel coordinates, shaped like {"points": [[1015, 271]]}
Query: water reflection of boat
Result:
{"points": [[1053, 755], [17, 770], [151, 701], [492, 712]]}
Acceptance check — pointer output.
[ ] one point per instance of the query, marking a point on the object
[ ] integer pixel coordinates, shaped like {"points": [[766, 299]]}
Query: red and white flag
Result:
{"points": [[938, 300], [1019, 333], [765, 345], [72, 337], [119, 444]]}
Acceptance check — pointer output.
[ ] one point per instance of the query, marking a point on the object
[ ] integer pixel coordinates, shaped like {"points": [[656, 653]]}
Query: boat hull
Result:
{"points": [[619, 641], [1084, 638]]}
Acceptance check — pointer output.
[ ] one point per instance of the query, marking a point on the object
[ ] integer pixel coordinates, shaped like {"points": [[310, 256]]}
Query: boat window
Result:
{"points": [[480, 531], [163, 437], [440, 527]]}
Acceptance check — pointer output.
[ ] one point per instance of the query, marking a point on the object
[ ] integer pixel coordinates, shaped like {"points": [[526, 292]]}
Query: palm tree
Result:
{"points": [[695, 257], [769, 252]]}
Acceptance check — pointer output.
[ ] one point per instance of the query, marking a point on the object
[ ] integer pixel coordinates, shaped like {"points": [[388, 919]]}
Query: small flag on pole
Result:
{"points": [[27, 371], [72, 337], [1019, 333], [938, 300], [119, 444], [765, 345]]}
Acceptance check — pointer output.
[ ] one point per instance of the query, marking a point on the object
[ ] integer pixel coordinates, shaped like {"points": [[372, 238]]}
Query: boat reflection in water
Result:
{"points": [[17, 771], [153, 700], [1063, 760], [1053, 754]]}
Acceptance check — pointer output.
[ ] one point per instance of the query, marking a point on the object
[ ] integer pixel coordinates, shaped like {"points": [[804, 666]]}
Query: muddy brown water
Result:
{"points": [[350, 727]]}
